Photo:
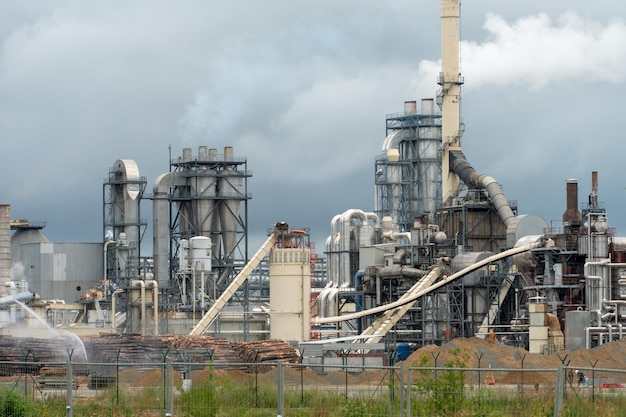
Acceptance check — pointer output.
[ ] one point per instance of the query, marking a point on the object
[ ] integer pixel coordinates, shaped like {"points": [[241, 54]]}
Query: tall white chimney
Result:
{"points": [[5, 247], [450, 81]]}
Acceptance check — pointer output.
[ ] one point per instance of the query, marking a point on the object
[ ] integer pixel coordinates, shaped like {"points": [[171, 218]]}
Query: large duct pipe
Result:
{"points": [[470, 177], [333, 250], [160, 225], [127, 198], [348, 219]]}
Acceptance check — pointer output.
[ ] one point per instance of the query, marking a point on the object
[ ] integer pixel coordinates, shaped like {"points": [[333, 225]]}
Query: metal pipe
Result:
{"points": [[113, 325], [433, 287], [155, 301], [588, 331], [106, 281], [469, 176], [142, 286]]}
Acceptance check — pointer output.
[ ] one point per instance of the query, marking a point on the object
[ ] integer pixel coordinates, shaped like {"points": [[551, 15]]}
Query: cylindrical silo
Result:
{"points": [[229, 189], [203, 188], [428, 167], [216, 235], [290, 291]]}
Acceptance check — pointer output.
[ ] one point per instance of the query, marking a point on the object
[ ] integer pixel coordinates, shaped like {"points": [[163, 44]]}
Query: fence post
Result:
{"points": [[408, 395], [169, 388], [281, 396], [69, 375], [478, 357], [522, 357], [593, 379], [401, 376], [560, 385]]}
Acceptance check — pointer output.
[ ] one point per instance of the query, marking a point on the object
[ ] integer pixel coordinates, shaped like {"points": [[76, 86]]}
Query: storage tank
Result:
{"points": [[200, 253], [230, 192], [290, 291], [204, 191]]}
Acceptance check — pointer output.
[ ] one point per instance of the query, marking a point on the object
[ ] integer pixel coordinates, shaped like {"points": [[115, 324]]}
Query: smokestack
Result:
{"points": [[5, 247], [572, 217], [410, 107], [593, 197], [450, 95]]}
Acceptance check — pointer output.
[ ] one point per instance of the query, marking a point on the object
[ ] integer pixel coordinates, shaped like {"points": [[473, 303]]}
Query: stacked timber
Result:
{"points": [[107, 350], [267, 351], [54, 378], [34, 353], [220, 350]]}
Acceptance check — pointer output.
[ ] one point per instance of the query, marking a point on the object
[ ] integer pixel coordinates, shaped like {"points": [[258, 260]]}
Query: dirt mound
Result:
{"points": [[492, 355]]}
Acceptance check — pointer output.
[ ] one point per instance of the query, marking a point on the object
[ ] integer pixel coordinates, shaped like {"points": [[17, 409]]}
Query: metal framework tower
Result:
{"points": [[408, 184], [209, 198]]}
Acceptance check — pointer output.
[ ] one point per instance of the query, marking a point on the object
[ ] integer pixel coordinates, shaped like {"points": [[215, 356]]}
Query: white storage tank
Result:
{"points": [[200, 253]]}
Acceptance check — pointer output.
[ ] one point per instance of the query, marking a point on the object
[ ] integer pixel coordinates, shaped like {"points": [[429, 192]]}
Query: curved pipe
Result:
{"points": [[393, 140], [467, 174], [113, 312], [347, 219], [160, 225]]}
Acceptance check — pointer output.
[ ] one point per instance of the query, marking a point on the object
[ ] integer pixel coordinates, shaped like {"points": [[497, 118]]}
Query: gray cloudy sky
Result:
{"points": [[301, 89]]}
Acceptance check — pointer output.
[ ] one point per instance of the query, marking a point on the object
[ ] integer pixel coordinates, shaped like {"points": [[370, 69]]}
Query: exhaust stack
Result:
{"points": [[5, 247], [572, 217], [449, 96]]}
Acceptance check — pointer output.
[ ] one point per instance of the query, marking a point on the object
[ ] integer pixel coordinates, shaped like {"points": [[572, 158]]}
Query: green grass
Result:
{"points": [[444, 394]]}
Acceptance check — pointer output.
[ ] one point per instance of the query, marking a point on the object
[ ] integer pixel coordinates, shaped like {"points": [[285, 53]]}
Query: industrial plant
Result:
{"points": [[442, 254]]}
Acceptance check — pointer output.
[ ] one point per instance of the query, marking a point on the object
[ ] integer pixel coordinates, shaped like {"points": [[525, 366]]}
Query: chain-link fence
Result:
{"points": [[280, 389]]}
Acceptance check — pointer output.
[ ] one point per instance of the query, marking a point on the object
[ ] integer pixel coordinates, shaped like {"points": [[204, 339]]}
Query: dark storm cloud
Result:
{"points": [[300, 89]]}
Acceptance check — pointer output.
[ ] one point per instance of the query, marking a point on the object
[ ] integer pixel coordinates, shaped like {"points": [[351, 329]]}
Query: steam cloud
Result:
{"points": [[536, 51]]}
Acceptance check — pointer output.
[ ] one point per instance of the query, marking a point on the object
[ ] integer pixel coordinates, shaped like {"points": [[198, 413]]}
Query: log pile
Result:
{"points": [[124, 348], [220, 350], [106, 350], [35, 351], [266, 351]]}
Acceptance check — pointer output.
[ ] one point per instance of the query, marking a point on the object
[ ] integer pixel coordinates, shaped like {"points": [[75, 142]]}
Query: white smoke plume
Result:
{"points": [[17, 271], [536, 51]]}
